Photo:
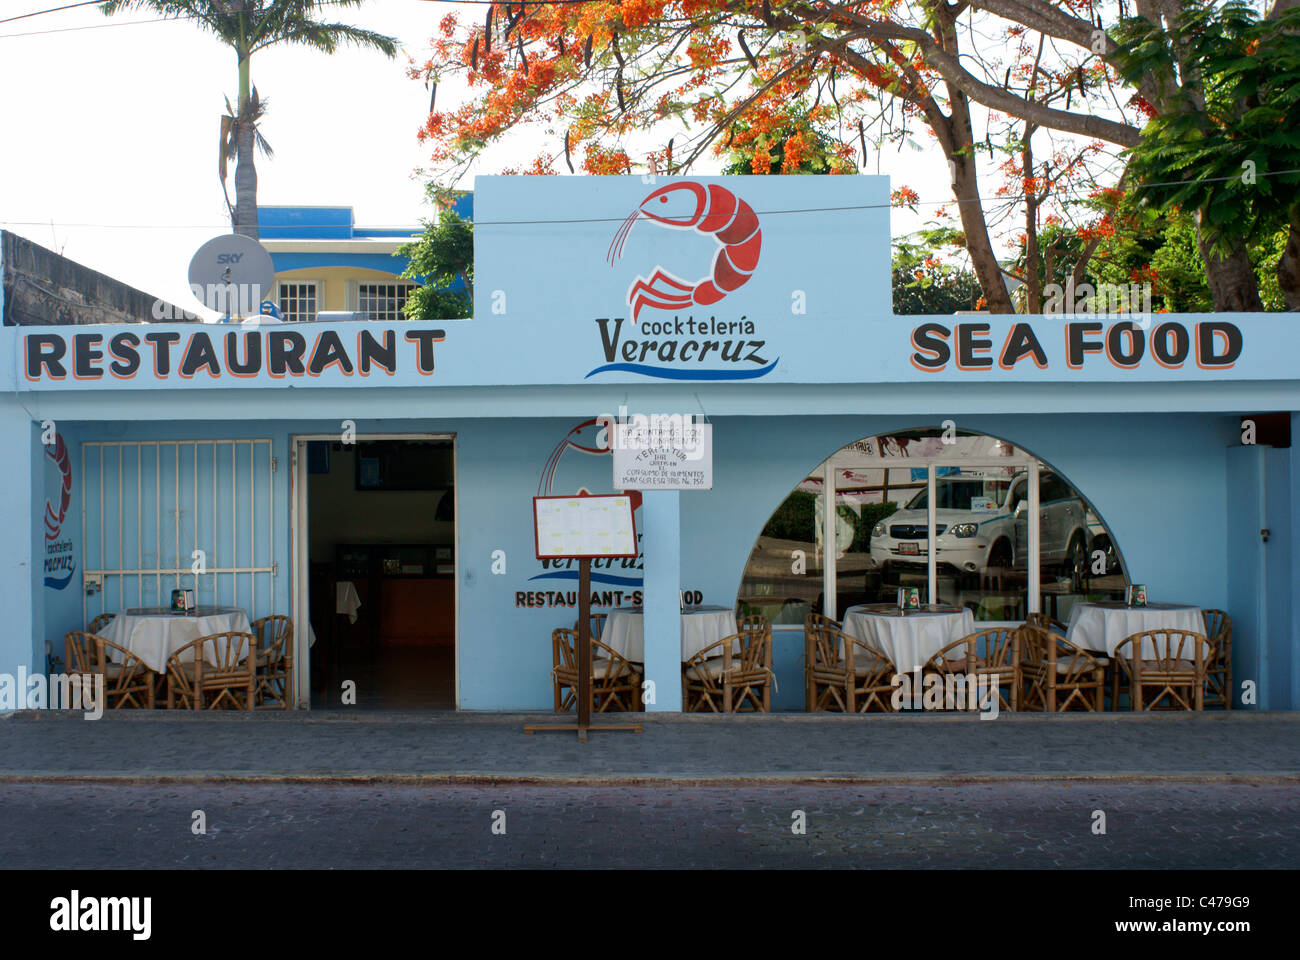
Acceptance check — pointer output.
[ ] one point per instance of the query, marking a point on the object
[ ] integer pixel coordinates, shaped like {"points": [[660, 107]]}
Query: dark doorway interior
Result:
{"points": [[382, 537]]}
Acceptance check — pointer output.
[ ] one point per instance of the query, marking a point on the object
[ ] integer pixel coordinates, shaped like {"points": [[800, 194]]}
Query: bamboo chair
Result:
{"points": [[99, 623], [1059, 676], [722, 679], [872, 675], [80, 654], [826, 672], [1177, 671], [847, 673], [128, 682], [954, 665], [1218, 630], [564, 669], [615, 684], [755, 621], [274, 662], [191, 679], [996, 654], [811, 623]]}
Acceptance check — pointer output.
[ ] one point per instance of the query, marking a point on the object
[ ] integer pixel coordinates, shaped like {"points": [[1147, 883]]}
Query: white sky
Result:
{"points": [[110, 135]]}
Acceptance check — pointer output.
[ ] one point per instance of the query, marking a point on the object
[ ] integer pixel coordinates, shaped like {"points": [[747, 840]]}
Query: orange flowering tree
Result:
{"points": [[621, 86]]}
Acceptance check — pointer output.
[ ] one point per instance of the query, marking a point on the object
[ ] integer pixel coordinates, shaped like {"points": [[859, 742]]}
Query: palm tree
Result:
{"points": [[247, 26]]}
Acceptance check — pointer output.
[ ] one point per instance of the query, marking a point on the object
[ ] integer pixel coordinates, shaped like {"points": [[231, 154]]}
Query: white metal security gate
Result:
{"points": [[167, 514]]}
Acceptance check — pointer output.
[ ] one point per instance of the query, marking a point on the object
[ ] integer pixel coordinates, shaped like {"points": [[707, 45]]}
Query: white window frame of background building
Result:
{"points": [[829, 566], [361, 285], [242, 479], [300, 558], [317, 285]]}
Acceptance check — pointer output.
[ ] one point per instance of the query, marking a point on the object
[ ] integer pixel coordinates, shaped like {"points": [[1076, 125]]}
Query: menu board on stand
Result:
{"points": [[583, 528]]}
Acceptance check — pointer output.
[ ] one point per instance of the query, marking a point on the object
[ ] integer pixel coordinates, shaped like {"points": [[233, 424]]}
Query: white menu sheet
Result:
{"points": [[585, 526]]}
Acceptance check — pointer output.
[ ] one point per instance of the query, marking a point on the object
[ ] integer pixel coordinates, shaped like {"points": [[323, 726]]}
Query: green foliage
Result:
{"points": [[442, 257], [1162, 250], [922, 284], [1214, 158]]}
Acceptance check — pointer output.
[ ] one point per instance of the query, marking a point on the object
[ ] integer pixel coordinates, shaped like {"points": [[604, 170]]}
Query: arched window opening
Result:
{"points": [[976, 547]]}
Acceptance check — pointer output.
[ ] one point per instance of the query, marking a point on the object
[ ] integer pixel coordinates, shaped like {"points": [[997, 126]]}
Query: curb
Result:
{"points": [[666, 780]]}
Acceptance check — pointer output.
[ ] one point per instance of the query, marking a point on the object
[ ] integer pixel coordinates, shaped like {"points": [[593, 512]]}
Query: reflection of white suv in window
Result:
{"points": [[981, 523]]}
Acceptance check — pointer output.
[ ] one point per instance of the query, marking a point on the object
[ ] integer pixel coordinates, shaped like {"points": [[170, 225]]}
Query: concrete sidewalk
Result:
{"points": [[469, 747]]}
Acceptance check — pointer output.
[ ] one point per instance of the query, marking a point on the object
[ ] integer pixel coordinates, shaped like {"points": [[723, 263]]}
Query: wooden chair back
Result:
{"points": [[1165, 651], [132, 685], [827, 648], [1034, 641], [564, 650], [995, 647], [274, 637], [80, 652], [233, 671], [1169, 660], [99, 623]]}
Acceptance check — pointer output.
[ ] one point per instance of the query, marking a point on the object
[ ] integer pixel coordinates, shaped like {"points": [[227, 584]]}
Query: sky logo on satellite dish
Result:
{"points": [[232, 275]]}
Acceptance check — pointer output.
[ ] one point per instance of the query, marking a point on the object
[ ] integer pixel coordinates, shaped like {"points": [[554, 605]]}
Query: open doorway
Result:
{"points": [[377, 526]]}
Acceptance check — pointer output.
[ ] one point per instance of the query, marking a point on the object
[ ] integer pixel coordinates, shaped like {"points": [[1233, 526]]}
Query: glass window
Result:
{"points": [[783, 578], [298, 301], [980, 536], [383, 301]]}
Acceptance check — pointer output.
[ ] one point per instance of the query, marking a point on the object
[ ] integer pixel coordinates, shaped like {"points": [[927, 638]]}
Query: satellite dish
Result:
{"points": [[232, 275]]}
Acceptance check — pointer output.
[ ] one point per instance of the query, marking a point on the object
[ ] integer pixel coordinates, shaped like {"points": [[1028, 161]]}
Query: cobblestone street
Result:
{"points": [[973, 825]]}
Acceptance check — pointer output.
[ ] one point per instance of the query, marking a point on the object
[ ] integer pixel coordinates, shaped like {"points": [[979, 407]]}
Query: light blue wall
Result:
{"points": [[22, 546], [1159, 484]]}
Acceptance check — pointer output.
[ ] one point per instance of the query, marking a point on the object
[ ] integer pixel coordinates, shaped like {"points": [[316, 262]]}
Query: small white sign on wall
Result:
{"points": [[675, 454]]}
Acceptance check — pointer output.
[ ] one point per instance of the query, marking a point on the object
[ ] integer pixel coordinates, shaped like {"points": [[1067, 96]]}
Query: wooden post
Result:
{"points": [[584, 648]]}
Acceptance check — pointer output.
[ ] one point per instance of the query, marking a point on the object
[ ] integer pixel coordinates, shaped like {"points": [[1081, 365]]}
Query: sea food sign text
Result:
{"points": [[1125, 344], [218, 352]]}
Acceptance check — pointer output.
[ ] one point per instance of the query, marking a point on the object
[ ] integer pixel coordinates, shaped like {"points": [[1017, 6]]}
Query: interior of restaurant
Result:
{"points": [[382, 534]]}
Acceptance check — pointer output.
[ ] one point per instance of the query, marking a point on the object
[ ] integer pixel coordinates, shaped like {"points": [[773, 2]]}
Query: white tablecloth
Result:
{"points": [[625, 631], [155, 637], [1103, 628], [908, 641]]}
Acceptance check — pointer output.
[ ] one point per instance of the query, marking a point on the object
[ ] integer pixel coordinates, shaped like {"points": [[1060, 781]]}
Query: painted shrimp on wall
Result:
{"points": [[712, 210]]}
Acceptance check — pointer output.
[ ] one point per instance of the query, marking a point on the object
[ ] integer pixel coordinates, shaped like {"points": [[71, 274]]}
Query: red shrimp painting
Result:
{"points": [[708, 209]]}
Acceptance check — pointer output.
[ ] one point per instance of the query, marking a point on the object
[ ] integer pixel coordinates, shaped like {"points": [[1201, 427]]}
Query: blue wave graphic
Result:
{"points": [[58, 584], [669, 373], [595, 577]]}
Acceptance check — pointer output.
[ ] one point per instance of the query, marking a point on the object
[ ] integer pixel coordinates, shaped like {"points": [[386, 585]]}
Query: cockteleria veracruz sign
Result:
{"points": [[672, 278]]}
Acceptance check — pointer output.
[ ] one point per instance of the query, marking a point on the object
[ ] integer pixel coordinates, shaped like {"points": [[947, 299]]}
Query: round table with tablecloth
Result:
{"points": [[154, 635], [625, 630], [908, 640], [1101, 627]]}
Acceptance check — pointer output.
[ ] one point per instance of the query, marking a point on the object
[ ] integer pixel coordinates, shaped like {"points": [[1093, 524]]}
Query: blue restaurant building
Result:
{"points": [[145, 457]]}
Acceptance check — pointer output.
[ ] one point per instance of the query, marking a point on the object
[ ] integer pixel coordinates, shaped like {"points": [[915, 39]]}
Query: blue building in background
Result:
{"points": [[325, 263]]}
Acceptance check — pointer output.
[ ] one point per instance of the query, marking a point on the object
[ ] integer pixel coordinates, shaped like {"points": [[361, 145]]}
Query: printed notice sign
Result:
{"points": [[676, 456], [597, 526]]}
